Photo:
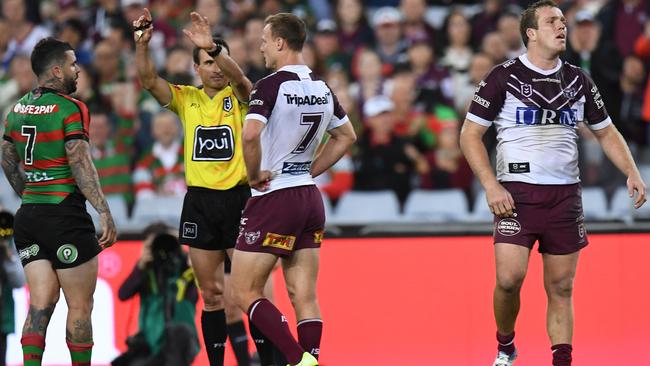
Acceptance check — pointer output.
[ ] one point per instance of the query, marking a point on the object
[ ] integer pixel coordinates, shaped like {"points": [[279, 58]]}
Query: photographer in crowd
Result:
{"points": [[165, 282], [11, 276]]}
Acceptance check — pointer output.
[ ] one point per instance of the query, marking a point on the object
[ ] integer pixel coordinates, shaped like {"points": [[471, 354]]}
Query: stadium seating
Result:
{"points": [[357, 207], [480, 209], [152, 209], [594, 204], [621, 206], [436, 206]]}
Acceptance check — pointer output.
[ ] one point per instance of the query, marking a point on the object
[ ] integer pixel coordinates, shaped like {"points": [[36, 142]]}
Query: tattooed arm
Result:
{"points": [[85, 174], [11, 167]]}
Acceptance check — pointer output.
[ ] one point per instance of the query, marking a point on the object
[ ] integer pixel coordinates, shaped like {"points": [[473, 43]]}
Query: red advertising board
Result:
{"points": [[424, 301]]}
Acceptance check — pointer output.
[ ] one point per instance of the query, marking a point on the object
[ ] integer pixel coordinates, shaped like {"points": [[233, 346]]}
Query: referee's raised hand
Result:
{"points": [[143, 28], [199, 32]]}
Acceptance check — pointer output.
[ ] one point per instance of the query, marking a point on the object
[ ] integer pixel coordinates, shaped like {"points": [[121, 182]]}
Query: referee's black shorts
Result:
{"points": [[210, 217]]}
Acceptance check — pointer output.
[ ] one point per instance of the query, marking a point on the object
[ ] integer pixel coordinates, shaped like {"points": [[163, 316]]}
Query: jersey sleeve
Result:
{"points": [[179, 98], [262, 100], [596, 116], [77, 122], [339, 117], [488, 98]]}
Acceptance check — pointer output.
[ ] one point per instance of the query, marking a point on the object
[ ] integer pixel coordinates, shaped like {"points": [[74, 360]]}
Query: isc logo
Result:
{"points": [[541, 116], [213, 143]]}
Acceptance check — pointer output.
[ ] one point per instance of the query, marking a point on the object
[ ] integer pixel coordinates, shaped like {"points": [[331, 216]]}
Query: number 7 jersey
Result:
{"points": [[39, 125], [297, 110]]}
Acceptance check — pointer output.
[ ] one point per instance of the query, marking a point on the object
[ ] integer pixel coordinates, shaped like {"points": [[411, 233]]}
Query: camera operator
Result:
{"points": [[11, 276], [165, 282]]}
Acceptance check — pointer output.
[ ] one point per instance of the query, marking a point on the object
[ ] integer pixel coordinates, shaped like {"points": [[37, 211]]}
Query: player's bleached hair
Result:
{"points": [[288, 27], [48, 52], [529, 17]]}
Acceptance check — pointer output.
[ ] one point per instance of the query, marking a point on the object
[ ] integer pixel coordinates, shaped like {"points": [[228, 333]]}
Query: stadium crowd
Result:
{"points": [[405, 72]]}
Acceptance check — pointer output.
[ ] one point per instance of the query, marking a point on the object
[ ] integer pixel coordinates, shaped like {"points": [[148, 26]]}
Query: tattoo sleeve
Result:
{"points": [[11, 167], [85, 174]]}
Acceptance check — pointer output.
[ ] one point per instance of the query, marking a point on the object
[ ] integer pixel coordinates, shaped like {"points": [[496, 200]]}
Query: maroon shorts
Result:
{"points": [[551, 214], [283, 221]]}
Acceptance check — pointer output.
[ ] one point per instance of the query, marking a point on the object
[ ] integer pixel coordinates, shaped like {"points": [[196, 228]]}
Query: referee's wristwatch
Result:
{"points": [[214, 52]]}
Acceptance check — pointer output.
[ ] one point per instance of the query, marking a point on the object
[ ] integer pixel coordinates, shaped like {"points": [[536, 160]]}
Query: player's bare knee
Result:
{"points": [[302, 299], [562, 289], [510, 284]]}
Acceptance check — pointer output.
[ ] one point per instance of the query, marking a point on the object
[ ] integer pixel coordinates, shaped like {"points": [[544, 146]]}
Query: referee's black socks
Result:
{"points": [[215, 333]]}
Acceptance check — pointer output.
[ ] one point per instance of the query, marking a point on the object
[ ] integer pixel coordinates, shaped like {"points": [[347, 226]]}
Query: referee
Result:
{"points": [[212, 116]]}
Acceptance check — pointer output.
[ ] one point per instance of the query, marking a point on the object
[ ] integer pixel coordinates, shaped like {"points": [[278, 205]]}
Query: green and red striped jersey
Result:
{"points": [[152, 176], [39, 125]]}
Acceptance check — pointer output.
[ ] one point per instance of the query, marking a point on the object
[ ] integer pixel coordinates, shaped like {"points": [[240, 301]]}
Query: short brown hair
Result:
{"points": [[529, 17], [288, 27]]}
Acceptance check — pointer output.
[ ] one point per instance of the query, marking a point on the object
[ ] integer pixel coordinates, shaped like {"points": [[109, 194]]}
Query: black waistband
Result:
{"points": [[210, 190]]}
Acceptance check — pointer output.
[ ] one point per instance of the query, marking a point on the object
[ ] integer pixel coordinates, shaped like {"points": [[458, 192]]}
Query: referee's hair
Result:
{"points": [[218, 41], [47, 53], [288, 27]]}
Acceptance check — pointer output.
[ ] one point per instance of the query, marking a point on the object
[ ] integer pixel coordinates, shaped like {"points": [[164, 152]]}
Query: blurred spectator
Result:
{"points": [[457, 48], [415, 26], [354, 30], [464, 92], [600, 59], [625, 106], [623, 22], [164, 281], [11, 276], [385, 160], [5, 56], [106, 14], [73, 31], [389, 43], [338, 179], [164, 34], [24, 33], [107, 73], [111, 151], [178, 66], [367, 68], [486, 20], [21, 80], [434, 82], [160, 171], [495, 47], [213, 10], [448, 167], [508, 27], [67, 10], [327, 46], [238, 12], [256, 67]]}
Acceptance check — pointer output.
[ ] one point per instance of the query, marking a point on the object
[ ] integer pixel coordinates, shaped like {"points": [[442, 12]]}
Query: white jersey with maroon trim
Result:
{"points": [[536, 114], [297, 109]]}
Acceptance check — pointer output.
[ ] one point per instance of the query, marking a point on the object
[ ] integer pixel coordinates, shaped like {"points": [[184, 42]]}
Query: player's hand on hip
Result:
{"points": [[635, 184], [262, 182], [109, 233], [500, 201], [143, 28], [199, 33]]}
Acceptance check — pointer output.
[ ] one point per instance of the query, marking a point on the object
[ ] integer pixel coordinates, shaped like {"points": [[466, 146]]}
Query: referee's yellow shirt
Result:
{"points": [[212, 144]]}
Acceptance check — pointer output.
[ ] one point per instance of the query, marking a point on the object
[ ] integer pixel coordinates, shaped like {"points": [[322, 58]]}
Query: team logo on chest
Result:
{"points": [[570, 93], [213, 143], [227, 104], [526, 90]]}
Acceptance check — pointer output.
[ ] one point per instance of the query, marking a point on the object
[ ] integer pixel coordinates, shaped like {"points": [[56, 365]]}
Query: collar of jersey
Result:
{"points": [[297, 69], [524, 59]]}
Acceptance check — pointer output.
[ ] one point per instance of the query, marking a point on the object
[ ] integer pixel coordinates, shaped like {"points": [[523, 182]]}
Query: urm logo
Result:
{"points": [[541, 116]]}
